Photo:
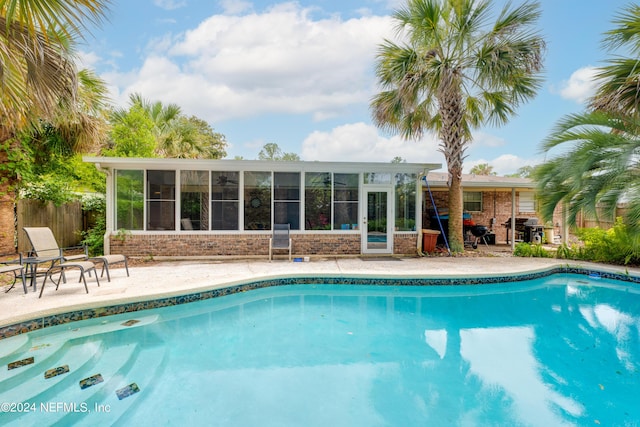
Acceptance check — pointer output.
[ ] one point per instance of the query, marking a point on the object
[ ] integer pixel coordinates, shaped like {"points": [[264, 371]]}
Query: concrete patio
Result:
{"points": [[173, 277]]}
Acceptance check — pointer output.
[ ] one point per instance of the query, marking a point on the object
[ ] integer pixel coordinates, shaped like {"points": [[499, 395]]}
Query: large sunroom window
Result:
{"points": [[257, 200], [286, 199], [161, 200], [405, 189], [225, 200], [345, 205], [317, 201], [130, 199], [194, 200]]}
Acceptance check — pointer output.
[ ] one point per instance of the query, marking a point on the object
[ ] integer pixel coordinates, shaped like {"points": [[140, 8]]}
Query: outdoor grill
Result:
{"points": [[526, 229], [531, 230], [476, 233]]}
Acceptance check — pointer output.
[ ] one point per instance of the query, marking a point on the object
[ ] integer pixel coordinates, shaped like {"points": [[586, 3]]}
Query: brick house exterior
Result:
{"points": [[495, 200], [369, 208], [158, 229]]}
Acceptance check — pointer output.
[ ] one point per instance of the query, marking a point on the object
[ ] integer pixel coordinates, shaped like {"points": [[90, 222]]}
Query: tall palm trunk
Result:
{"points": [[456, 238], [453, 145]]}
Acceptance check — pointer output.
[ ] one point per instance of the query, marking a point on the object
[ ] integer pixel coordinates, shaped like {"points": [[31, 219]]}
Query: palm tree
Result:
{"points": [[597, 164], [483, 169], [176, 135], [81, 127], [37, 40], [619, 82], [37, 52], [454, 73]]}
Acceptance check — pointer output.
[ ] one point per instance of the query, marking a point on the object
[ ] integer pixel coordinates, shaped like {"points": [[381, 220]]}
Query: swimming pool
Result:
{"points": [[557, 350]]}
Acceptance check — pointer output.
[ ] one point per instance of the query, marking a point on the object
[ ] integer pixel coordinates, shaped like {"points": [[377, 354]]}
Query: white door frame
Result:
{"points": [[368, 247]]}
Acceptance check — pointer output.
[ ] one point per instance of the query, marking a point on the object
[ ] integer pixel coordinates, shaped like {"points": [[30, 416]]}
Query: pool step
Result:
{"points": [[145, 370], [15, 344], [65, 396], [31, 384], [30, 361]]}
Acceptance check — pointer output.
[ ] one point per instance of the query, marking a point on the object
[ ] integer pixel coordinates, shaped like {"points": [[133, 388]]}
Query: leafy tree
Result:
{"points": [[192, 138], [272, 151], [398, 159], [483, 169], [523, 172], [175, 135], [80, 128], [37, 47], [455, 71], [132, 135]]}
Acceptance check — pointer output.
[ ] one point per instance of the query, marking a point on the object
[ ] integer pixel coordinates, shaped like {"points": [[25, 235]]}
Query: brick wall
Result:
{"points": [[7, 227], [494, 204], [405, 244], [241, 245]]}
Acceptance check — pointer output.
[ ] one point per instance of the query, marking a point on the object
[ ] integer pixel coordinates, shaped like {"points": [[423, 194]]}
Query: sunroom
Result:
{"points": [[227, 208]]}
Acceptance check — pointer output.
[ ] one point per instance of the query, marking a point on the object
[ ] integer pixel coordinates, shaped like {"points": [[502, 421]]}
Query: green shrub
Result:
{"points": [[94, 236], [49, 188], [613, 246], [523, 249]]}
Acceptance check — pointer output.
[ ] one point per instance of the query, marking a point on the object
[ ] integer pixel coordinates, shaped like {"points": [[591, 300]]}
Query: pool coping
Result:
{"points": [[69, 314]]}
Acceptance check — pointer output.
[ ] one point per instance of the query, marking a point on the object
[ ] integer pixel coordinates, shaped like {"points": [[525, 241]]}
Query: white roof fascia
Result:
{"points": [[439, 180], [257, 165]]}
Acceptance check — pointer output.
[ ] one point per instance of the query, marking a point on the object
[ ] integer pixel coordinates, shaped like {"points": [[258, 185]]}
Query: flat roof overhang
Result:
{"points": [[438, 180], [258, 165]]}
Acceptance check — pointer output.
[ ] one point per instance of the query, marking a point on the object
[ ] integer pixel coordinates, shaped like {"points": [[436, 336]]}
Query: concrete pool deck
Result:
{"points": [[174, 277]]}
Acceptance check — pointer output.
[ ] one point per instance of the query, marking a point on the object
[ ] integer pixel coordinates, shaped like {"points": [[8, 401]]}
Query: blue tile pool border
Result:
{"points": [[110, 310]]}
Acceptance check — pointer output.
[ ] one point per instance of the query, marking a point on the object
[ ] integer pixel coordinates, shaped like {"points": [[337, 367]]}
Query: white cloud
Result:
{"points": [[279, 61], [235, 7], [580, 86], [360, 142], [88, 59], [170, 4], [487, 140]]}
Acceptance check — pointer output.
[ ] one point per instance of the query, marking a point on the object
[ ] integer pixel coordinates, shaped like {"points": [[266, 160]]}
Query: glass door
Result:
{"points": [[376, 235]]}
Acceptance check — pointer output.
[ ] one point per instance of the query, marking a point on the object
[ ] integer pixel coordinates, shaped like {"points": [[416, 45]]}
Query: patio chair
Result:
{"points": [[83, 266], [45, 246], [280, 239], [15, 267], [107, 260]]}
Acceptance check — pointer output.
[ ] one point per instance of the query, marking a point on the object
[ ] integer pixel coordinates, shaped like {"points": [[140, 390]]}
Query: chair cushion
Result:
{"points": [[110, 259]]}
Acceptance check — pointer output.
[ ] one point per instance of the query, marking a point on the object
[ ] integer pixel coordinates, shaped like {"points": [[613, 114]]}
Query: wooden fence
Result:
{"points": [[66, 221], [584, 221]]}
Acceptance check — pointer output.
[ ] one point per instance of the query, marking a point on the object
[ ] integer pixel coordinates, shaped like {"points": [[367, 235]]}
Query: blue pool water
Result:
{"points": [[562, 350]]}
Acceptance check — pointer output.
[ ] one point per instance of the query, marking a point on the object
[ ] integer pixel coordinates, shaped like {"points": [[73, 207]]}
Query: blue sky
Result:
{"points": [[300, 74]]}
